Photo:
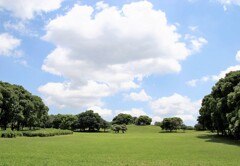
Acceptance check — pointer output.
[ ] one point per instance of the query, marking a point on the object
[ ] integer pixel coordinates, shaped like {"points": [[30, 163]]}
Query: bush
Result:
{"points": [[46, 133], [9, 134]]}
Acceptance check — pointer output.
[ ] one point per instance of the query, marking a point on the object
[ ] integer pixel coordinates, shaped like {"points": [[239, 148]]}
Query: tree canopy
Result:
{"points": [[143, 120], [91, 121], [19, 108], [123, 119], [220, 110], [170, 124]]}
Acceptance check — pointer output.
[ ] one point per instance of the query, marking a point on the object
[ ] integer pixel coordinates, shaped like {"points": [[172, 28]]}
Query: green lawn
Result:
{"points": [[140, 146]]}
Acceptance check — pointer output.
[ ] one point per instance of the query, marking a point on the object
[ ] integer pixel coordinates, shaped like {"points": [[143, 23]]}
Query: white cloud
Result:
{"points": [[141, 96], [8, 45], [67, 95], [193, 28], [20, 27], [224, 72], [26, 9], [176, 105], [196, 42], [229, 2], [103, 112], [134, 112], [238, 56], [216, 77], [194, 82], [112, 46], [226, 3], [156, 119]]}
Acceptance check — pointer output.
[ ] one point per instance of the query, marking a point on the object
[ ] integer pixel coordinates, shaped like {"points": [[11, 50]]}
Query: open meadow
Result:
{"points": [[140, 146]]}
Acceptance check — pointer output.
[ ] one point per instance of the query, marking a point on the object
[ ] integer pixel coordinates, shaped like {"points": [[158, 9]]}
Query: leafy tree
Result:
{"points": [[158, 124], [174, 123], [19, 108], [220, 109], [104, 125], [116, 128], [143, 120], [122, 119], [89, 120]]}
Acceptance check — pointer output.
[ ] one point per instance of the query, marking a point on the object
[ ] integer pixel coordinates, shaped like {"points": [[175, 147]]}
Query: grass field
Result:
{"points": [[140, 146]]}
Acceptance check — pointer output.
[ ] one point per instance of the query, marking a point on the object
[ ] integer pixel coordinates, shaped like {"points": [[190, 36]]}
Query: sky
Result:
{"points": [[157, 58]]}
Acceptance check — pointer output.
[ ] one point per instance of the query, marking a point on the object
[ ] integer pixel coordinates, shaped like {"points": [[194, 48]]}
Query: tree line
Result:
{"points": [[20, 109]]}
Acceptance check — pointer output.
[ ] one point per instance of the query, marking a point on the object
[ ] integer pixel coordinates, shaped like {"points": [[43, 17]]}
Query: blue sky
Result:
{"points": [[157, 58]]}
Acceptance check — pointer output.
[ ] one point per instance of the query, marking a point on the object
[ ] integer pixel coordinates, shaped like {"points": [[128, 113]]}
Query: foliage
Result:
{"points": [[89, 120], [19, 108], [61, 121], [199, 127], [220, 109], [46, 132], [9, 134], [174, 123], [143, 120], [122, 119], [158, 124], [116, 128]]}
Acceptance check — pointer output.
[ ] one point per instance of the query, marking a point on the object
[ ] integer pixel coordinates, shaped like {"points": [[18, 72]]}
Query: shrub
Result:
{"points": [[9, 134], [46, 133]]}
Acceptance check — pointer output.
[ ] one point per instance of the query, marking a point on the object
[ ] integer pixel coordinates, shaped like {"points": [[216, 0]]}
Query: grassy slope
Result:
{"points": [[139, 146]]}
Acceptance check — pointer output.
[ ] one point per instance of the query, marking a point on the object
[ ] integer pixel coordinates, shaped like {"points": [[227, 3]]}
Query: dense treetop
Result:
{"points": [[19, 108], [220, 109]]}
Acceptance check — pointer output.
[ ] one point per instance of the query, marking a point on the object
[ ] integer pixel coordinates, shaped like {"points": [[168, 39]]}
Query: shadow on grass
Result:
{"points": [[219, 139], [171, 132], [92, 131]]}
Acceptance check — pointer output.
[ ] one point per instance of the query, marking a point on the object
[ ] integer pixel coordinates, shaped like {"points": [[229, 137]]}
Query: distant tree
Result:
{"points": [[104, 125], [198, 127], [122, 119], [158, 124], [89, 120], [143, 120], [116, 128], [170, 124]]}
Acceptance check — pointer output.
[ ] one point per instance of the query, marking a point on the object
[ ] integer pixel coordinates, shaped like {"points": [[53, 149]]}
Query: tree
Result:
{"points": [[158, 124], [89, 120], [143, 120], [122, 119], [174, 123], [116, 128], [104, 125], [220, 109], [19, 108]]}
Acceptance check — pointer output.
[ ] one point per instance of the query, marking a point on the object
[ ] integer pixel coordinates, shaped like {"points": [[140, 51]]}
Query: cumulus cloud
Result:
{"points": [[67, 95], [9, 45], [135, 112], [141, 96], [226, 3], [111, 47], [196, 42], [215, 78], [224, 72], [103, 112], [229, 2], [194, 82], [176, 105], [26, 9]]}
